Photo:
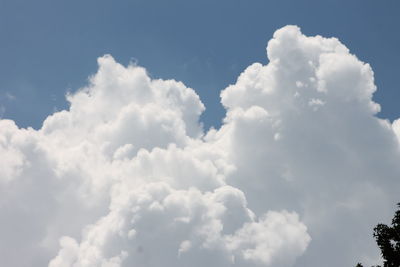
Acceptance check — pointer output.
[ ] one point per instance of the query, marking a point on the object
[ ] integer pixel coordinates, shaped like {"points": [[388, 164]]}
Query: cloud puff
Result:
{"points": [[156, 225], [303, 136], [298, 174]]}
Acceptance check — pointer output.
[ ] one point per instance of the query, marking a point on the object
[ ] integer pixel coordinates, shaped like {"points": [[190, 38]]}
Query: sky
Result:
{"points": [[50, 47], [225, 133]]}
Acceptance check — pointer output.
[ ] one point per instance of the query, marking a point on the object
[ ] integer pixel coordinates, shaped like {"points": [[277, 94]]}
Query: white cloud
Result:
{"points": [[334, 162], [185, 227], [298, 174]]}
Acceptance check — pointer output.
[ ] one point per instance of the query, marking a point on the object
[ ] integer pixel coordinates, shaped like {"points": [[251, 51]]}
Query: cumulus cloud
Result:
{"points": [[298, 174], [303, 136], [155, 225]]}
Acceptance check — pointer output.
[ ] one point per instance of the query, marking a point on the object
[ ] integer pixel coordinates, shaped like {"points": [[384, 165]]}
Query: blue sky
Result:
{"points": [[50, 47]]}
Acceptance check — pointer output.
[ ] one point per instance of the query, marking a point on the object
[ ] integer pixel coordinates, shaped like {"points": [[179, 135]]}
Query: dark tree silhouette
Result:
{"points": [[388, 240]]}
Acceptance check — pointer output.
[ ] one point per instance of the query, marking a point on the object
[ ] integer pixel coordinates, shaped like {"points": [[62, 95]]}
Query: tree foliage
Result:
{"points": [[388, 240]]}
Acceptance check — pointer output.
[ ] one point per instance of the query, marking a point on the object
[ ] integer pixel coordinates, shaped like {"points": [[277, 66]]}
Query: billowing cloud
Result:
{"points": [[298, 174], [155, 225]]}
